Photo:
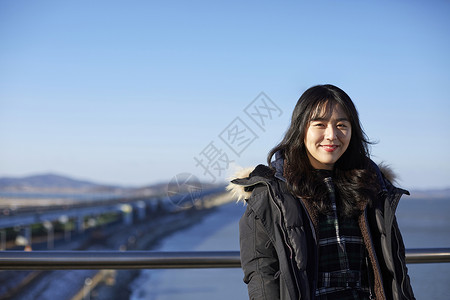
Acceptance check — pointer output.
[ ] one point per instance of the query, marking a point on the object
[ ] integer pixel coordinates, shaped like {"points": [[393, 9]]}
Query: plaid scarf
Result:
{"points": [[342, 256]]}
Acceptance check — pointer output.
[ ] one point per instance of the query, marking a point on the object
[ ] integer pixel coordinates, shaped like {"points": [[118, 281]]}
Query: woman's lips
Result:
{"points": [[329, 148]]}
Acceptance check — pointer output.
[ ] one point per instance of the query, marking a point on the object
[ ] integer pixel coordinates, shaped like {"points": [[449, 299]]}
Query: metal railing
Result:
{"points": [[63, 260]]}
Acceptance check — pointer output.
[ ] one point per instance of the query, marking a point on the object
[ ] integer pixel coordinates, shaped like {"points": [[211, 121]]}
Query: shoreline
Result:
{"points": [[123, 278], [142, 235]]}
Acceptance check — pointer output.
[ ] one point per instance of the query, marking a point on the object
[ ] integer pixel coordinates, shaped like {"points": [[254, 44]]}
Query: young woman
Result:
{"points": [[320, 221]]}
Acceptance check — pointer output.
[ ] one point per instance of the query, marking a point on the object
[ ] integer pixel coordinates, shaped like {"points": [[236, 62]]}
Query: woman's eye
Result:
{"points": [[319, 125], [341, 125]]}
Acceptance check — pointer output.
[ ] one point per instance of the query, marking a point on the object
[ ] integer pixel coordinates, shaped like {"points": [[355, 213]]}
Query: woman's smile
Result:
{"points": [[329, 148]]}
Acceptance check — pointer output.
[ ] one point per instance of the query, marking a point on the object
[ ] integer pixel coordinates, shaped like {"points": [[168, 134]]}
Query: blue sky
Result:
{"points": [[130, 92]]}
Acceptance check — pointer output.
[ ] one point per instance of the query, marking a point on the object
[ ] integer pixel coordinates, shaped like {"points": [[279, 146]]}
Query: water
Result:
{"points": [[217, 232], [424, 224]]}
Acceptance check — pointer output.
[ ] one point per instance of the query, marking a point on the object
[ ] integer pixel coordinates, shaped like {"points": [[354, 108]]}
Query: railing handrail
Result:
{"points": [[63, 260]]}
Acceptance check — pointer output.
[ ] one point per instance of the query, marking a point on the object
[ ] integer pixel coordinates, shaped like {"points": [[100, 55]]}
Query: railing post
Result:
{"points": [[87, 289], [140, 208], [3, 240], [127, 212], [50, 236], [80, 224]]}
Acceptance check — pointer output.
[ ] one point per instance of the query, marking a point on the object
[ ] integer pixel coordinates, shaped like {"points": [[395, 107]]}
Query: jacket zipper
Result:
{"points": [[373, 249], [291, 251], [403, 270], [316, 242], [396, 201], [370, 278]]}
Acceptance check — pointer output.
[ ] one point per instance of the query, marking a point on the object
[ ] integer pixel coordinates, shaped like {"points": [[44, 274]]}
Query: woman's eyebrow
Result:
{"points": [[342, 119], [318, 119], [326, 119]]}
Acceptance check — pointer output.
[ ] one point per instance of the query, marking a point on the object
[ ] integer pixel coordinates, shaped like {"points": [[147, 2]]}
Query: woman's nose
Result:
{"points": [[330, 133]]}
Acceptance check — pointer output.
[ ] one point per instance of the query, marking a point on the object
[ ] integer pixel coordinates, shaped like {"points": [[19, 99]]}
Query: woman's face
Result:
{"points": [[327, 136]]}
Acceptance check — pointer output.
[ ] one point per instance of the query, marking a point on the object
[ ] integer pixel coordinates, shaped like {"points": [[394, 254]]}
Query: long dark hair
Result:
{"points": [[353, 176]]}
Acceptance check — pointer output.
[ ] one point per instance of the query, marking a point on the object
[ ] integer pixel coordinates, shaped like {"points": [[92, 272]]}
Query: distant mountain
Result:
{"points": [[45, 181], [431, 193], [52, 183], [55, 184]]}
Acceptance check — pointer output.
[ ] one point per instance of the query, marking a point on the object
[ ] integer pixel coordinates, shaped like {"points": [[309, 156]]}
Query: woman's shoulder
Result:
{"points": [[387, 177], [387, 172], [388, 190], [245, 181]]}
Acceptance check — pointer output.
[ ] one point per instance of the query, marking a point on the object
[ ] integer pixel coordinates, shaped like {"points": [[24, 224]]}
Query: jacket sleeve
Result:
{"points": [[400, 264], [258, 258]]}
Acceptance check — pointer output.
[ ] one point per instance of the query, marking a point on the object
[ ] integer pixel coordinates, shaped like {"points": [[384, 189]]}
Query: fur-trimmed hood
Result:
{"points": [[238, 191], [240, 180]]}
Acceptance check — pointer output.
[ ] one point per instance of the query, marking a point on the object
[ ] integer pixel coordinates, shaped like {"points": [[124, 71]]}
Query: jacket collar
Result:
{"points": [[278, 165], [245, 179]]}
